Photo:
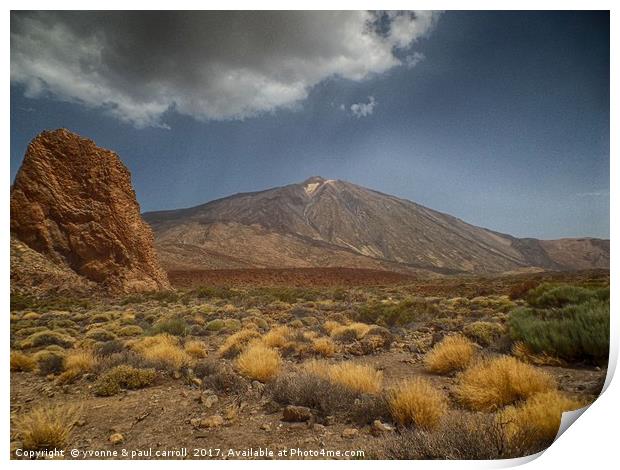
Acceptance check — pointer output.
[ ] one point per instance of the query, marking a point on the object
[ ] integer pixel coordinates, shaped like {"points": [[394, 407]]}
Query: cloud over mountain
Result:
{"points": [[208, 65]]}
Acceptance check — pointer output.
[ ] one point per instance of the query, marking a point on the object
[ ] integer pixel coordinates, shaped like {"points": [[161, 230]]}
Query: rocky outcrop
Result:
{"points": [[73, 203]]}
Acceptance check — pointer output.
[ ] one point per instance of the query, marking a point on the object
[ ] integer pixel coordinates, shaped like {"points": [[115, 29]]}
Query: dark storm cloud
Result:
{"points": [[208, 65]]}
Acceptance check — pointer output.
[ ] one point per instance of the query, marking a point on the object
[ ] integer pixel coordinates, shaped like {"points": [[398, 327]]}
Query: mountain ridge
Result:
{"points": [[348, 222]]}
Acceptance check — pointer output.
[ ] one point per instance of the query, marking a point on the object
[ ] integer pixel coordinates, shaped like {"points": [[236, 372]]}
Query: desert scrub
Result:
{"points": [[493, 383], [123, 377], [100, 334], [235, 343], [163, 352], [349, 333], [219, 376], [557, 296], [21, 362], [46, 428], [215, 325], [360, 378], [277, 337], [172, 326], [574, 332], [450, 354], [259, 362], [483, 332], [196, 349], [324, 347], [77, 363], [537, 419], [101, 318], [130, 330], [46, 338], [417, 402], [397, 314]]}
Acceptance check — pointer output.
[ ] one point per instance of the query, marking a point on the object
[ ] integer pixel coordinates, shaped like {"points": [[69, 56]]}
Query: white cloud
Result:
{"points": [[137, 66], [360, 110], [414, 59]]}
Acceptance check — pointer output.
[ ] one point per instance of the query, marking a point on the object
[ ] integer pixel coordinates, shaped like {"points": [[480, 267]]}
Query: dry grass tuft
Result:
{"points": [[163, 352], [493, 383], [352, 332], [77, 363], [417, 402], [235, 343], [324, 347], [21, 362], [451, 354], [196, 349], [537, 419], [123, 376], [259, 362], [359, 378], [46, 427], [525, 354], [277, 337]]}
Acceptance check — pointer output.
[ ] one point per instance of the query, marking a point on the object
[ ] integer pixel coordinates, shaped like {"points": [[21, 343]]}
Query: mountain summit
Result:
{"points": [[326, 223]]}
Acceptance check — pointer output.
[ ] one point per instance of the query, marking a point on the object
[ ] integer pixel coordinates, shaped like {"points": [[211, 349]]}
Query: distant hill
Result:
{"points": [[332, 223]]}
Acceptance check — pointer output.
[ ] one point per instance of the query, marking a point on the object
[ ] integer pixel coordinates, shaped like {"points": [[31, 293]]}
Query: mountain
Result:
{"points": [[328, 223], [74, 214]]}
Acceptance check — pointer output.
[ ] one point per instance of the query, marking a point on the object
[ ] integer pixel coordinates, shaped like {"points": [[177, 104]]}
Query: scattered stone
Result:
{"points": [[296, 414], [379, 428], [176, 375], [349, 433], [265, 427], [195, 422], [196, 381], [212, 421], [116, 438], [208, 399]]}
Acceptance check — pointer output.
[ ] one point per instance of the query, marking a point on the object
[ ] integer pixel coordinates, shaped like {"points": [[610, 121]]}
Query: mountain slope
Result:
{"points": [[335, 223]]}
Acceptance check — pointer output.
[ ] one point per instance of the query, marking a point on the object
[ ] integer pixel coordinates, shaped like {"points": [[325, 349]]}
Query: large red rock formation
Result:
{"points": [[73, 202]]}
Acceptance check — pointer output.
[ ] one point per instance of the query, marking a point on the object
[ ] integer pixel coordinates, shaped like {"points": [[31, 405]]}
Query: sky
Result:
{"points": [[498, 118]]}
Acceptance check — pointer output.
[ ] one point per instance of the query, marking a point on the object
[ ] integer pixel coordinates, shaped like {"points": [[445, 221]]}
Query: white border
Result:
{"points": [[592, 443]]}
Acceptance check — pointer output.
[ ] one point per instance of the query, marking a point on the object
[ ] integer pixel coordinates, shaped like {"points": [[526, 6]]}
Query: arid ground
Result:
{"points": [[395, 367]]}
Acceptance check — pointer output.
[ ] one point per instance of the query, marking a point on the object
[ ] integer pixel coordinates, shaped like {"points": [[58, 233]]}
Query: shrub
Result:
{"points": [[538, 418], [50, 362], [219, 377], [519, 291], [77, 363], [163, 353], [401, 313], [259, 362], [196, 349], [451, 354], [360, 378], [483, 332], [458, 436], [172, 326], [214, 292], [232, 324], [494, 383], [46, 338], [46, 428], [215, 325], [417, 402], [277, 337], [123, 376], [557, 296], [324, 347], [130, 330], [575, 332], [100, 318], [31, 316], [99, 334], [349, 333], [21, 362], [110, 347], [235, 343]]}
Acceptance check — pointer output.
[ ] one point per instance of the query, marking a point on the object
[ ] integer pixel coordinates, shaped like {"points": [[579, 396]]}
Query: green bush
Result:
{"points": [[123, 376], [483, 332], [557, 296], [401, 313], [575, 332], [173, 326], [214, 292], [46, 338], [100, 334]]}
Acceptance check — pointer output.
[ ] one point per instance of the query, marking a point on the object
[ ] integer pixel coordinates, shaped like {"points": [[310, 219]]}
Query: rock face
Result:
{"points": [[73, 203]]}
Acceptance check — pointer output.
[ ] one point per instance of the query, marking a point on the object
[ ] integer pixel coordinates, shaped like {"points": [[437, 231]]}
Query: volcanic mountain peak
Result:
{"points": [[322, 223]]}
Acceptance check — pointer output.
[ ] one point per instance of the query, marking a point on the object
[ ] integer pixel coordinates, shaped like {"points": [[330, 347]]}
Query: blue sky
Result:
{"points": [[499, 118]]}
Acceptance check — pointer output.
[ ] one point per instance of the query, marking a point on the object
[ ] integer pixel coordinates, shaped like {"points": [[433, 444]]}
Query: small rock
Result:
{"points": [[349, 433], [211, 421], [378, 428], [195, 422], [265, 427], [296, 414], [196, 381], [176, 375], [116, 438], [318, 427], [208, 400]]}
